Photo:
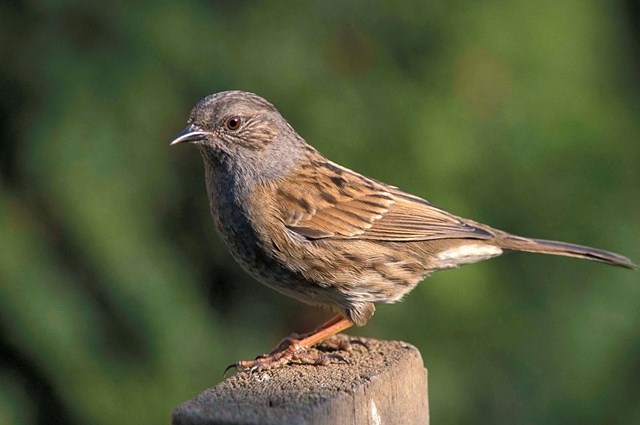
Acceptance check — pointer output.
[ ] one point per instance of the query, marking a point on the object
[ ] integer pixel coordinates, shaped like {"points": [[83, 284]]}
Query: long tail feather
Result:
{"points": [[562, 248]]}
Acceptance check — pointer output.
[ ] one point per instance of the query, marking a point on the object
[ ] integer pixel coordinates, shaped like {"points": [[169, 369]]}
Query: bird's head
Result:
{"points": [[241, 129]]}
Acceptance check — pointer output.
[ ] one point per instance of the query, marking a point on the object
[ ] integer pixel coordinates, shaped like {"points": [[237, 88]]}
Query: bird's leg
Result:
{"points": [[295, 350], [335, 341], [286, 341]]}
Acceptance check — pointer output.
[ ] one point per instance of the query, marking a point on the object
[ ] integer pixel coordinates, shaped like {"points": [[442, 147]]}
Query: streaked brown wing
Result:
{"points": [[329, 201]]}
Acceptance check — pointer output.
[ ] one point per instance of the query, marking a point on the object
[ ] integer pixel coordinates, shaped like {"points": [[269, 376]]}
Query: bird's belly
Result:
{"points": [[256, 257]]}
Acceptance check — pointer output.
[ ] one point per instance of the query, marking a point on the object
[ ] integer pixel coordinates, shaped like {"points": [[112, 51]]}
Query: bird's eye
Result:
{"points": [[233, 123]]}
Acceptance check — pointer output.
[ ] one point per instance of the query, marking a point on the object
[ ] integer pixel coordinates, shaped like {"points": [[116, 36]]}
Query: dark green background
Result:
{"points": [[118, 300]]}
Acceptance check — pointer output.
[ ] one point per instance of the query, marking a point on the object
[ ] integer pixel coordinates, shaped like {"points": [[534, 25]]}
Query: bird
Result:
{"points": [[324, 234]]}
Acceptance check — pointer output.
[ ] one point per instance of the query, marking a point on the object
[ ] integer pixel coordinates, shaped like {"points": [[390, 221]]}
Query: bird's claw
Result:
{"points": [[337, 357], [232, 365]]}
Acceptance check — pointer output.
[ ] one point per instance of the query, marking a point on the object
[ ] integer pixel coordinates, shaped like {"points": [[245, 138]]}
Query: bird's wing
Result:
{"points": [[330, 201]]}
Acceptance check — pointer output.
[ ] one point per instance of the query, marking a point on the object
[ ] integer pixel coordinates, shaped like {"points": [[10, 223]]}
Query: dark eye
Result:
{"points": [[233, 123]]}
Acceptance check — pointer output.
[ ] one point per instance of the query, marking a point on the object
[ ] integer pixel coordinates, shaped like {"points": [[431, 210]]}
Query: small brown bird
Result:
{"points": [[322, 233]]}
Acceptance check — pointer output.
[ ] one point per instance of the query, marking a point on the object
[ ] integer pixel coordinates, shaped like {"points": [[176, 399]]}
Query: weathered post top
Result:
{"points": [[384, 383]]}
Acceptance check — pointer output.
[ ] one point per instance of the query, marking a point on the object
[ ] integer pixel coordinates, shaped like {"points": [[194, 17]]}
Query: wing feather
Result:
{"points": [[330, 201]]}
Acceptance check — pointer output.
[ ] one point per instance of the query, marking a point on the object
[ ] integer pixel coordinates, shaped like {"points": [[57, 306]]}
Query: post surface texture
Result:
{"points": [[384, 383]]}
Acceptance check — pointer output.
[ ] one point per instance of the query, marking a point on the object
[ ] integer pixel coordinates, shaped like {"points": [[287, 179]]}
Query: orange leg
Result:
{"points": [[295, 350], [286, 341], [336, 324]]}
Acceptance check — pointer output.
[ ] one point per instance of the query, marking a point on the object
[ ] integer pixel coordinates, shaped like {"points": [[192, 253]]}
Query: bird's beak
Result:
{"points": [[192, 133]]}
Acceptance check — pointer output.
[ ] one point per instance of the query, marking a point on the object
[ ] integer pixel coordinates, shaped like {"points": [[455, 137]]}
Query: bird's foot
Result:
{"points": [[297, 348], [331, 343], [340, 342], [289, 351]]}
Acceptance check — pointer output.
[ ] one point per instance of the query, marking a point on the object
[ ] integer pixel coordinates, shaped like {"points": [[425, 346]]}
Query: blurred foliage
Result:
{"points": [[117, 299]]}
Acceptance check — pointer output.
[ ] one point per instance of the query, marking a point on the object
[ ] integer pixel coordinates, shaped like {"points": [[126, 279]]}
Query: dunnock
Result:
{"points": [[324, 234]]}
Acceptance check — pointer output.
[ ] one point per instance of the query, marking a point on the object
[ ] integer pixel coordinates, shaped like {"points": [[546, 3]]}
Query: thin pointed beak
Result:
{"points": [[192, 133]]}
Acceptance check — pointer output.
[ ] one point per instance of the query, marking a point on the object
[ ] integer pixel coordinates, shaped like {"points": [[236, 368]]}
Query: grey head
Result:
{"points": [[240, 132]]}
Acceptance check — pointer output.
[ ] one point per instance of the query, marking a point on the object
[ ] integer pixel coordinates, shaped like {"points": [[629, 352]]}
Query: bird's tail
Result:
{"points": [[542, 246]]}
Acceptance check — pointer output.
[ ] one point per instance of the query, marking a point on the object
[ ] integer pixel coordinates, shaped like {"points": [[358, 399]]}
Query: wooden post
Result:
{"points": [[384, 383]]}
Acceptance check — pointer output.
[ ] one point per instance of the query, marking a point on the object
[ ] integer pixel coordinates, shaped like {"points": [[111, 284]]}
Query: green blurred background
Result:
{"points": [[118, 300]]}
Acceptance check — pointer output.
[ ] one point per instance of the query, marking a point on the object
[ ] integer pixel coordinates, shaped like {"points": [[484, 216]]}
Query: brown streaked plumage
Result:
{"points": [[322, 233]]}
